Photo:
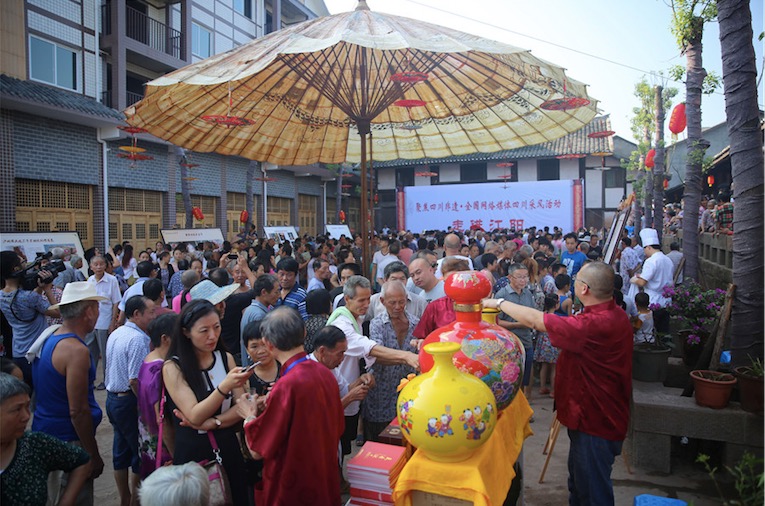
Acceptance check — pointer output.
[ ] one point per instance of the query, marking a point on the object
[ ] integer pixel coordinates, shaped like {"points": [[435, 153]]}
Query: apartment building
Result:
{"points": [[67, 69]]}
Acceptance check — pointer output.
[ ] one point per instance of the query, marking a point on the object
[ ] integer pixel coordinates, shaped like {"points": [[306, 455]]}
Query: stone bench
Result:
{"points": [[658, 413]]}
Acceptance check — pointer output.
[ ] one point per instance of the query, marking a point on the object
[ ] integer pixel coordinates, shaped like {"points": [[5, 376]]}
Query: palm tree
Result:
{"points": [[688, 27], [739, 79], [249, 199], [180, 155], [658, 168]]}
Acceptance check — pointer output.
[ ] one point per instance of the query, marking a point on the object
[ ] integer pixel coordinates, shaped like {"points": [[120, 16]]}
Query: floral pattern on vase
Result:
{"points": [[487, 351]]}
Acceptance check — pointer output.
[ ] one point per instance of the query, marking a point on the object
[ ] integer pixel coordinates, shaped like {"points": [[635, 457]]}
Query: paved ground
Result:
{"points": [[687, 482]]}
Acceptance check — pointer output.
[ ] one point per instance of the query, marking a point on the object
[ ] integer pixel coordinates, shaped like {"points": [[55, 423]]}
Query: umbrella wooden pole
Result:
{"points": [[366, 243]]}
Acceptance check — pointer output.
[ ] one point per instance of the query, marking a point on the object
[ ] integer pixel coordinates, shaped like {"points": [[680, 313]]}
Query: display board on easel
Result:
{"points": [[615, 234], [28, 244], [192, 235], [335, 231], [281, 234]]}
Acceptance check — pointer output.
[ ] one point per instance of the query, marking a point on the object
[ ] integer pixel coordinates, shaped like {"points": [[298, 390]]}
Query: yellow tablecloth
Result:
{"points": [[483, 479]]}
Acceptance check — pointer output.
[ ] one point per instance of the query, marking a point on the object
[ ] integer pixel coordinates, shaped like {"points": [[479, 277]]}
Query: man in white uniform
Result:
{"points": [[656, 274]]}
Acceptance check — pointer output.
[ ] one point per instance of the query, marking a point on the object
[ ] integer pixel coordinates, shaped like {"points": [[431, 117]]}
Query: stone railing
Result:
{"points": [[715, 257]]}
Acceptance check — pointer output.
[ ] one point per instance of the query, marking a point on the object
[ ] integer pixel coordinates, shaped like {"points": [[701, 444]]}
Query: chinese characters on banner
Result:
{"points": [[490, 206]]}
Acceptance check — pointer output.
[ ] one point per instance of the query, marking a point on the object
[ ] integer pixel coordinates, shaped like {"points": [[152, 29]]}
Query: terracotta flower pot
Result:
{"points": [[750, 389], [712, 388]]}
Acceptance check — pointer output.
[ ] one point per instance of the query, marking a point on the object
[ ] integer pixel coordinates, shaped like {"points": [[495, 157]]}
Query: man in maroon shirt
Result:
{"points": [[298, 433], [593, 379]]}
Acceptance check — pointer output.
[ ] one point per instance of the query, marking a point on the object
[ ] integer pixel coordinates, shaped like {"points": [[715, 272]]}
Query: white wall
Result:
{"points": [[527, 170], [493, 172], [421, 180], [449, 173], [386, 179], [593, 184], [569, 169], [613, 197]]}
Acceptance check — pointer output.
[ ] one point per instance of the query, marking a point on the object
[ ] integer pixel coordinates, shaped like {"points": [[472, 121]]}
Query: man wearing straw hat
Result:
{"points": [[66, 407]]}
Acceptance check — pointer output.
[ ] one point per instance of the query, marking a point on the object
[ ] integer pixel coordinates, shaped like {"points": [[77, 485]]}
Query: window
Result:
{"points": [[404, 177], [243, 7], [472, 172], [614, 178], [201, 41], [548, 170], [51, 63]]}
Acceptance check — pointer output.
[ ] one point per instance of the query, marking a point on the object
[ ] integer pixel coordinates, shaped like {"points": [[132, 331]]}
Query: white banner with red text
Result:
{"points": [[491, 206]]}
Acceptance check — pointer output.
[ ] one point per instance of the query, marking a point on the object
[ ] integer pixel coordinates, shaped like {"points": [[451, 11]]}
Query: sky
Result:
{"points": [[607, 44]]}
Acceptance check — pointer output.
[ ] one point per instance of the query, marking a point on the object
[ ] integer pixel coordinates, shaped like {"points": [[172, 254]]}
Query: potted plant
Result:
{"points": [[712, 388], [649, 358], [694, 310], [750, 385]]}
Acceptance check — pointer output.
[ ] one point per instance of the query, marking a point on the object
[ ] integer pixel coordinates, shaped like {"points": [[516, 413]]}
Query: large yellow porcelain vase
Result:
{"points": [[445, 413]]}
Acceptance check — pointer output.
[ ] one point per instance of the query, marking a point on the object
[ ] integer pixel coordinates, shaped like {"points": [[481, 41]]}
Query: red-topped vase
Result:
{"points": [[487, 351]]}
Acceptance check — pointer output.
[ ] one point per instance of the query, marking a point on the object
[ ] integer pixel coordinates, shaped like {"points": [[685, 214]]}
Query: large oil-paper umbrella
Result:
{"points": [[362, 86]]}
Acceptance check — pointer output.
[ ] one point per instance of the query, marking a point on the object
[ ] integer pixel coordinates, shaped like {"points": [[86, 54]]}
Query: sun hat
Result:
{"points": [[77, 291], [211, 292]]}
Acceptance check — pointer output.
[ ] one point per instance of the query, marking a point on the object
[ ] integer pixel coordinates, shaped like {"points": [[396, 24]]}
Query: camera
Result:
{"points": [[31, 273]]}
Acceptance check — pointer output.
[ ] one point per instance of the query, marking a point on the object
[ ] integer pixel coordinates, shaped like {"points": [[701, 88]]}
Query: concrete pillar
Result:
{"points": [[168, 203], [276, 15], [119, 55], [186, 30], [222, 212]]}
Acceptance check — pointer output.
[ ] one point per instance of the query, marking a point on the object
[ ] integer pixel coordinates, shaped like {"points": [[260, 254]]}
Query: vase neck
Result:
{"points": [[468, 316], [443, 364]]}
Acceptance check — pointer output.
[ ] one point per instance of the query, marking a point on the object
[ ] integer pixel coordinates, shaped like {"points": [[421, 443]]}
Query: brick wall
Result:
{"points": [[284, 186], [53, 150], [7, 173], [145, 174]]}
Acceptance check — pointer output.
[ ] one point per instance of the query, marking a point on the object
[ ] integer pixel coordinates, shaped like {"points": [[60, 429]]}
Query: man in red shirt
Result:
{"points": [[593, 380], [298, 433]]}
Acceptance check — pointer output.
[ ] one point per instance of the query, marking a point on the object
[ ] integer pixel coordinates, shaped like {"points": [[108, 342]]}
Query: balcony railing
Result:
{"points": [[146, 30], [131, 98]]}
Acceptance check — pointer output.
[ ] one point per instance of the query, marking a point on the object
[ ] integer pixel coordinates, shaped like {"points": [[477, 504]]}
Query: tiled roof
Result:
{"points": [[48, 95], [571, 144]]}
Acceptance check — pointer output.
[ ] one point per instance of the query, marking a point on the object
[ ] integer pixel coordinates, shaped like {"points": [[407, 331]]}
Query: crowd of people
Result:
{"points": [[715, 215], [275, 358]]}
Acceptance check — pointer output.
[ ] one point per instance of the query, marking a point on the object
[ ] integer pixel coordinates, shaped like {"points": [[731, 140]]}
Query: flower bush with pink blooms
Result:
{"points": [[695, 308]]}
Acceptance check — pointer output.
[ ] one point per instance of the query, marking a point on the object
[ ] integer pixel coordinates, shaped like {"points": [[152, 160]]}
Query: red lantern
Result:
{"points": [[710, 180], [649, 163], [197, 213], [244, 216], [342, 216], [677, 121], [377, 199], [666, 184]]}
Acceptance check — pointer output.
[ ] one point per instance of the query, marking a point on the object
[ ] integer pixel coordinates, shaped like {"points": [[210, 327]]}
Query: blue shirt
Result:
{"points": [[26, 317], [573, 262], [296, 299], [125, 350], [52, 409]]}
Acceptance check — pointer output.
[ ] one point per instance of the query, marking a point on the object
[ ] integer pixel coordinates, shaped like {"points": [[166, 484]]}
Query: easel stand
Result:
{"points": [[552, 437]]}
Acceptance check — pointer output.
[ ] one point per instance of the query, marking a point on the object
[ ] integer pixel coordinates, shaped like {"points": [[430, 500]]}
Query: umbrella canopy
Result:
{"points": [[311, 92]]}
